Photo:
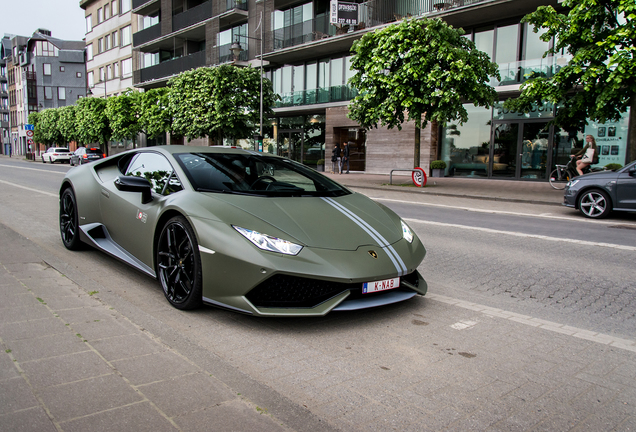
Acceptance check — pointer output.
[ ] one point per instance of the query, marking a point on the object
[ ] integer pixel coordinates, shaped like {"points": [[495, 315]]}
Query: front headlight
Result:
{"points": [[269, 243], [406, 232], [571, 183]]}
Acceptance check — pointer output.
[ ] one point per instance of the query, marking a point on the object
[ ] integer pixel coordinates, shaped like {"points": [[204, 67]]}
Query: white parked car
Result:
{"points": [[56, 154]]}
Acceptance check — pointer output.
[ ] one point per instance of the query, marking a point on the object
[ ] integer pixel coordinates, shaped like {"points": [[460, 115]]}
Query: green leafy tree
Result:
{"points": [[599, 82], [92, 122], [67, 124], [48, 131], [420, 71], [155, 116], [217, 102], [123, 113]]}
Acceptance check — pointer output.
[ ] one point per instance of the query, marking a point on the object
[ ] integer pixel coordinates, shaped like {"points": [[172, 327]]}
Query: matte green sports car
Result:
{"points": [[242, 230]]}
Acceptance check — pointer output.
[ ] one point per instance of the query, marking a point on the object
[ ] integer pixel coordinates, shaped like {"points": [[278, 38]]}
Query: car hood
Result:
{"points": [[598, 175], [342, 223]]}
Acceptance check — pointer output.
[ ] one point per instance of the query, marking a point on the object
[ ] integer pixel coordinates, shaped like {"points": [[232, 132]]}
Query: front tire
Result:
{"points": [[69, 227], [179, 264], [559, 183], [595, 204]]}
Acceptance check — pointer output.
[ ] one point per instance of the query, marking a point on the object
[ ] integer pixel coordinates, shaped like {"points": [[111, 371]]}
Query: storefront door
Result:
{"points": [[290, 144], [519, 150]]}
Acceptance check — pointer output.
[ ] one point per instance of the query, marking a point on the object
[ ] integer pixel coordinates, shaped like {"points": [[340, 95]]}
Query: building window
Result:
{"points": [[48, 93], [100, 45], [89, 23], [116, 70], [62, 69], [47, 68], [106, 42], [115, 39], [125, 6], [125, 36], [61, 93], [91, 80], [89, 52], [113, 10], [101, 74], [45, 49], [126, 67], [109, 72], [100, 15], [78, 74], [106, 12]]}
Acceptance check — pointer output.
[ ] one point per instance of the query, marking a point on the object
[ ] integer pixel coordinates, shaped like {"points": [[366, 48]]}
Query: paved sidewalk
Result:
{"points": [[70, 362], [535, 192]]}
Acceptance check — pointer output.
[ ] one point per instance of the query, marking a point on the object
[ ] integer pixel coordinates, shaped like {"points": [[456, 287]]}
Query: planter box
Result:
{"points": [[438, 172]]}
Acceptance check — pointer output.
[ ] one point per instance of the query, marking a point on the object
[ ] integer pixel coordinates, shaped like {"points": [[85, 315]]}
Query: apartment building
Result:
{"points": [[5, 131], [42, 72], [308, 60]]}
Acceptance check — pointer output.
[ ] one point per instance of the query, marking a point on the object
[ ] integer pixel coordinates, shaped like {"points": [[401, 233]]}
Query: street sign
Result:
{"points": [[29, 133], [30, 141], [29, 127], [419, 177]]}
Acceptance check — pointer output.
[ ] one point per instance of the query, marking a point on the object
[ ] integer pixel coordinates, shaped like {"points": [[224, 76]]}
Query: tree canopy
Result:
{"points": [[67, 125], [419, 70], [155, 116], [123, 115], [599, 81], [217, 102], [92, 122]]}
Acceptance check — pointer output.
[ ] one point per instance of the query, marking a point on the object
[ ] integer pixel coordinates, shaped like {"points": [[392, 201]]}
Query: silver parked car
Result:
{"points": [[597, 194]]}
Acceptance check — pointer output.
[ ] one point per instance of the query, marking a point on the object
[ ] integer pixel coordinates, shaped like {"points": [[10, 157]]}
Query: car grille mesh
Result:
{"points": [[284, 291]]}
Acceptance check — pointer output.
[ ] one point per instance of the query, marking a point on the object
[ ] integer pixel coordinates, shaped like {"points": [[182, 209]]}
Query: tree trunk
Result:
{"points": [[631, 143], [416, 153]]}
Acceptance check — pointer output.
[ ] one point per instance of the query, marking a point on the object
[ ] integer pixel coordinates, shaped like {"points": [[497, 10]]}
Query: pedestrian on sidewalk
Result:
{"points": [[345, 157], [335, 160]]}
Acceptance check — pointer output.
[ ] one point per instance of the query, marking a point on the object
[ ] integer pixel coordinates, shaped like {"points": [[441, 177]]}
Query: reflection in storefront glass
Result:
{"points": [[465, 148]]}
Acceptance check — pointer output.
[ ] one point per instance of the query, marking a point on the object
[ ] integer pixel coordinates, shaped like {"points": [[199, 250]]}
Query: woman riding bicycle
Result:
{"points": [[587, 155]]}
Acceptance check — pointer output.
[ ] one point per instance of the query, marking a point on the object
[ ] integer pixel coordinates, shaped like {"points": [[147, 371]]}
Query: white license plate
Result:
{"points": [[381, 285]]}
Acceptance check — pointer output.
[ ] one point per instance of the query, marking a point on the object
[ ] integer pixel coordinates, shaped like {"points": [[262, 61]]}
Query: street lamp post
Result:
{"points": [[236, 50]]}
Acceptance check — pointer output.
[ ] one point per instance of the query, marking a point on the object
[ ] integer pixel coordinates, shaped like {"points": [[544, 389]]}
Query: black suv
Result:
{"points": [[86, 154]]}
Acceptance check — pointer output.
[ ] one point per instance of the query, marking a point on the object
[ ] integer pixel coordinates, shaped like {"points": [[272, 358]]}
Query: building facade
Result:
{"points": [[43, 72], [308, 61], [5, 130]]}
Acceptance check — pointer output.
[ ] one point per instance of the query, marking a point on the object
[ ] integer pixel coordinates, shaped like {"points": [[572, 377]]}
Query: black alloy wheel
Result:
{"points": [[179, 264], [595, 204], [69, 226]]}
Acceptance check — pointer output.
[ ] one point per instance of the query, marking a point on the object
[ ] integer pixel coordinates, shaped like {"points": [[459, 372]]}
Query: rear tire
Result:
{"points": [[69, 226], [595, 204], [179, 264]]}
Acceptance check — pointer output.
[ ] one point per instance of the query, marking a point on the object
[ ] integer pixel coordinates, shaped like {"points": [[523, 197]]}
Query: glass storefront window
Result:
{"points": [[466, 147], [507, 44]]}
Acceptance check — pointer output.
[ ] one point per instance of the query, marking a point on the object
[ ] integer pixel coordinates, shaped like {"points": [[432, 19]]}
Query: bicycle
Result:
{"points": [[560, 176]]}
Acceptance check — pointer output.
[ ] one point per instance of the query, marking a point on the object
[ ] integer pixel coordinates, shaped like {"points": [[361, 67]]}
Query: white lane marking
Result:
{"points": [[29, 189], [34, 169], [503, 212], [626, 344], [519, 234]]}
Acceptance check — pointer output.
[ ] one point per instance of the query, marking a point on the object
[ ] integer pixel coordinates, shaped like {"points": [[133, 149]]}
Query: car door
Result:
{"points": [[131, 223], [626, 189]]}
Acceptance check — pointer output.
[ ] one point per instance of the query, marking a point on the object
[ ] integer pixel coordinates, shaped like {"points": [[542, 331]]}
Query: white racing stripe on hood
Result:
{"points": [[376, 236]]}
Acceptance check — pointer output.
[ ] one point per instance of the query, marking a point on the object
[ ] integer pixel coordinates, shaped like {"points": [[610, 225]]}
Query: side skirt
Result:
{"points": [[96, 235]]}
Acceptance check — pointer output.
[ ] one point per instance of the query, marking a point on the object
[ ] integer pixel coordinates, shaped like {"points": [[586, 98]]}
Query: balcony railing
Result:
{"points": [[147, 35], [173, 67], [225, 55], [192, 16], [235, 4], [317, 96], [371, 13], [138, 3]]}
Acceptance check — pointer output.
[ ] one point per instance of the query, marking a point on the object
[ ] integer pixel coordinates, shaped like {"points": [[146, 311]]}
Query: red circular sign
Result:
{"points": [[29, 133], [419, 177]]}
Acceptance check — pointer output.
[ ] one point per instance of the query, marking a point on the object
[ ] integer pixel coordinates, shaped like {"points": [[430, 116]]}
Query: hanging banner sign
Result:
{"points": [[343, 13]]}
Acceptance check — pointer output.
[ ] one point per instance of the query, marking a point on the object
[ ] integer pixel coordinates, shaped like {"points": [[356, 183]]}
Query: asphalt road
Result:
{"points": [[423, 364]]}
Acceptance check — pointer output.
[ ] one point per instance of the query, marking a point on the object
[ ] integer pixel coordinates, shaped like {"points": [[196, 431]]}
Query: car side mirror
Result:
{"points": [[632, 171], [135, 184]]}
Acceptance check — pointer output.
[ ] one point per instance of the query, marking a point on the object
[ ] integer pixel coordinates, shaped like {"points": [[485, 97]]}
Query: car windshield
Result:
{"points": [[255, 174]]}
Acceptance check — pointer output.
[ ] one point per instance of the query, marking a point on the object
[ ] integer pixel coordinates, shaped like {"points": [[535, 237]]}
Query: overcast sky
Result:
{"points": [[64, 18]]}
